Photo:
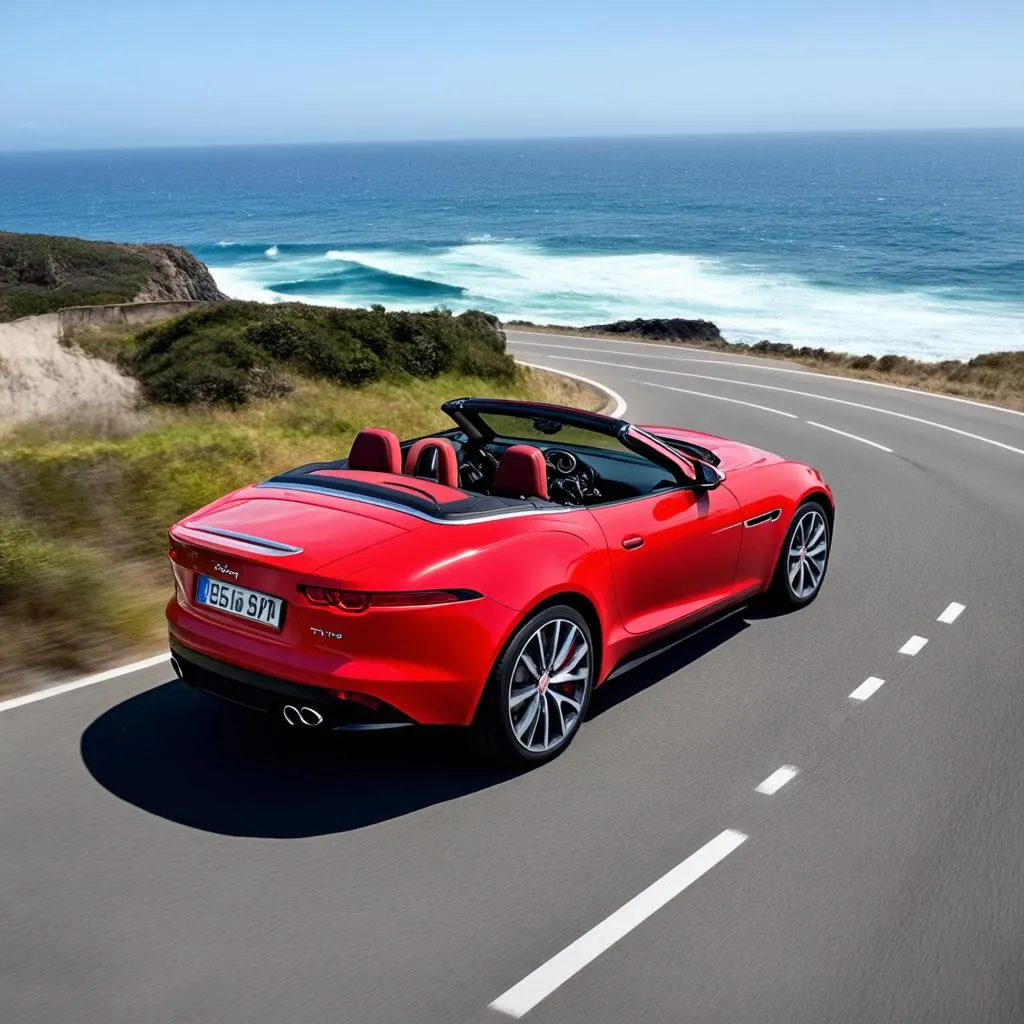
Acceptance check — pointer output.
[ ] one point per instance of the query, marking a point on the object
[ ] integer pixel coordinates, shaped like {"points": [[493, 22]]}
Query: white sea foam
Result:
{"points": [[238, 283], [518, 280], [271, 252]]}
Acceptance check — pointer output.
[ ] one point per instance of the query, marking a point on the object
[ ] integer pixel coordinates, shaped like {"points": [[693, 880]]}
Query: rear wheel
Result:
{"points": [[539, 690], [803, 559]]}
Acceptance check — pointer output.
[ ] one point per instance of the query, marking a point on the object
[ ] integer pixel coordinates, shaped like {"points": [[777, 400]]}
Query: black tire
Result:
{"points": [[496, 721], [784, 594]]}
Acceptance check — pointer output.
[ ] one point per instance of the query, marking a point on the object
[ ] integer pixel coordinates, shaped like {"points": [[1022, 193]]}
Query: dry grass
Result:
{"points": [[86, 504], [996, 377]]}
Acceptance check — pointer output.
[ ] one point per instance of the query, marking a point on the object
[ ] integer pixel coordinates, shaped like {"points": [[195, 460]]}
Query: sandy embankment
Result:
{"points": [[39, 378]]}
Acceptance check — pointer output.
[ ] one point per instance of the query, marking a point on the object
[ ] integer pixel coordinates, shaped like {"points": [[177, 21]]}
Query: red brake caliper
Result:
{"points": [[568, 688]]}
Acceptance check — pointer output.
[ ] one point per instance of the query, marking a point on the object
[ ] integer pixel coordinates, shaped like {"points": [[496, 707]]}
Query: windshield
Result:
{"points": [[539, 430]]}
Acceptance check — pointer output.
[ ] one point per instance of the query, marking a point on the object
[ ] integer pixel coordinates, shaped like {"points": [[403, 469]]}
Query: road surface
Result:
{"points": [[164, 860]]}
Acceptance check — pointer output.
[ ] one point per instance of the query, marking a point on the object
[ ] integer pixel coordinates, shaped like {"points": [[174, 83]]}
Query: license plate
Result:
{"points": [[236, 600]]}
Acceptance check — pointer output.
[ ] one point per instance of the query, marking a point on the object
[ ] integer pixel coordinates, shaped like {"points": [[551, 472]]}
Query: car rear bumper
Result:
{"points": [[429, 676], [295, 703]]}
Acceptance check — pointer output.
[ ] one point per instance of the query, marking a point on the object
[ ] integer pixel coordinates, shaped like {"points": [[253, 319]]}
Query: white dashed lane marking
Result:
{"points": [[951, 614], [806, 394], [525, 995], [720, 398], [778, 779], [853, 437], [868, 687], [914, 645]]}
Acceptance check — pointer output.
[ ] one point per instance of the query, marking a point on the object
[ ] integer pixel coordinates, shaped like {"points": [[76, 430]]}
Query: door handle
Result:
{"points": [[632, 542]]}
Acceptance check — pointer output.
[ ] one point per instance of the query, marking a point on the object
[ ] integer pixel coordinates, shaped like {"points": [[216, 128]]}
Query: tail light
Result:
{"points": [[359, 600]]}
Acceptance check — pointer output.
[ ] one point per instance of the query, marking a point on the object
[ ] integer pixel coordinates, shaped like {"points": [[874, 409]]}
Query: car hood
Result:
{"points": [[734, 456]]}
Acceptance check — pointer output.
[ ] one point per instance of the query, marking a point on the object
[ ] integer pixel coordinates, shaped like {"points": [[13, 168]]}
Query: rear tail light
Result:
{"points": [[359, 601]]}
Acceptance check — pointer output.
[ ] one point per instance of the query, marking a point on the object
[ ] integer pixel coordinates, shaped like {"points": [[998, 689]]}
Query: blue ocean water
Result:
{"points": [[901, 242]]}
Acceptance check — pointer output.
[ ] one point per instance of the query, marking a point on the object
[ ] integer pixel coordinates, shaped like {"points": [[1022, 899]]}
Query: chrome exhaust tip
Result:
{"points": [[302, 715], [176, 665]]}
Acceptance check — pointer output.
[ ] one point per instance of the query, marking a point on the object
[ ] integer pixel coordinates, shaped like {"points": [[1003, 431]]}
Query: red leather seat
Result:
{"points": [[446, 464], [376, 450], [521, 473]]}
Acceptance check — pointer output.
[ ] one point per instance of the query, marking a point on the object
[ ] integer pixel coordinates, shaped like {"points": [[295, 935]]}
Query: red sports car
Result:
{"points": [[488, 576]]}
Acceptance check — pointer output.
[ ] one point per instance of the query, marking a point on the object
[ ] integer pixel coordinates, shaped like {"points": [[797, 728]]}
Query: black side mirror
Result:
{"points": [[708, 477]]}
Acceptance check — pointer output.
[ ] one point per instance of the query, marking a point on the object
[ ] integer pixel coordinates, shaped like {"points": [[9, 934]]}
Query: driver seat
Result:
{"points": [[521, 473]]}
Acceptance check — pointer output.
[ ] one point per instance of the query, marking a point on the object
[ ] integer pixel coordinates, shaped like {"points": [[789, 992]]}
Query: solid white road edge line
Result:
{"points": [[951, 614], [852, 437], [806, 394], [756, 366], [620, 402], [866, 688], [913, 645], [778, 779], [524, 996], [77, 684], [720, 398]]}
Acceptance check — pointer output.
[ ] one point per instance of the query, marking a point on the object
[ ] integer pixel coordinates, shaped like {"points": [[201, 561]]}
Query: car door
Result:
{"points": [[673, 554]]}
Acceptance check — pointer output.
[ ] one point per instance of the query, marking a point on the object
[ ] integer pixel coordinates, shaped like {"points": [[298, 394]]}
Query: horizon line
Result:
{"points": [[466, 140]]}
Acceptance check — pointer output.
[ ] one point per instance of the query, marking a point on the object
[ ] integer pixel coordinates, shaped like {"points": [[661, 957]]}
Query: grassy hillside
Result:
{"points": [[42, 273], [236, 392]]}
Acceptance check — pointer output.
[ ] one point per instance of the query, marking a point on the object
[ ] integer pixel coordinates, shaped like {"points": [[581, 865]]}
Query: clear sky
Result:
{"points": [[179, 72]]}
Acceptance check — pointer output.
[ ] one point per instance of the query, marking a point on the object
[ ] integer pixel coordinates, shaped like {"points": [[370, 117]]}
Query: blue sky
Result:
{"points": [[183, 72]]}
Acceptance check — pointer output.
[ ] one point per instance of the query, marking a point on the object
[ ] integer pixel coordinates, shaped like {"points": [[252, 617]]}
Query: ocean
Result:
{"points": [[910, 243]]}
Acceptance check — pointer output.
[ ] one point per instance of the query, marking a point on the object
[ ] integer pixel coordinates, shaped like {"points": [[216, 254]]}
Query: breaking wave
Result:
{"points": [[520, 280]]}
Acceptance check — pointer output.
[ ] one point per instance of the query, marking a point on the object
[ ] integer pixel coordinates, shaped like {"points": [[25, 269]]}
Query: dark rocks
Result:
{"points": [[662, 329]]}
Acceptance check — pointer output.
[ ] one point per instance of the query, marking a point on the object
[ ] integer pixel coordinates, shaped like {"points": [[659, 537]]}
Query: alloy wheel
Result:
{"points": [[548, 686], [807, 555]]}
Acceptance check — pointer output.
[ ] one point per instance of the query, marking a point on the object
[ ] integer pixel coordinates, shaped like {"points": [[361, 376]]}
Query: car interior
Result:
{"points": [[565, 474]]}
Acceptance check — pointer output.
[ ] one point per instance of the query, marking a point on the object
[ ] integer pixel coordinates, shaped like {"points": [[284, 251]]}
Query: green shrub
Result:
{"points": [[230, 352], [862, 362]]}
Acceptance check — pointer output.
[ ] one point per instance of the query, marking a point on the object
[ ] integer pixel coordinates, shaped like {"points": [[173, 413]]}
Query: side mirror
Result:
{"points": [[708, 477]]}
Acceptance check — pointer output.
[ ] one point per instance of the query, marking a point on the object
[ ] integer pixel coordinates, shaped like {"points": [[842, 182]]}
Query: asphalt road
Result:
{"points": [[163, 860]]}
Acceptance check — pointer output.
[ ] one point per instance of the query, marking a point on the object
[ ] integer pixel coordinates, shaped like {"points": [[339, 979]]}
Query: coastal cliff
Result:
{"points": [[43, 273]]}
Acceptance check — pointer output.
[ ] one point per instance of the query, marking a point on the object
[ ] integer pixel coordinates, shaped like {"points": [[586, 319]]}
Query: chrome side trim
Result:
{"points": [[370, 726], [394, 506], [767, 517], [261, 542]]}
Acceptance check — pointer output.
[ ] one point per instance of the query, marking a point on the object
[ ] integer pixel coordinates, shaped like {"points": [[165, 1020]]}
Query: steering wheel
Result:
{"points": [[570, 481]]}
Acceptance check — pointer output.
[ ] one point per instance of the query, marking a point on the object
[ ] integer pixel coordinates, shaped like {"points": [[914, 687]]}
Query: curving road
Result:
{"points": [[161, 861]]}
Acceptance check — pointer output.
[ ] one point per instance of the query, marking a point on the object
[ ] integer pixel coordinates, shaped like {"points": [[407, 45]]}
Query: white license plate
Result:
{"points": [[236, 600]]}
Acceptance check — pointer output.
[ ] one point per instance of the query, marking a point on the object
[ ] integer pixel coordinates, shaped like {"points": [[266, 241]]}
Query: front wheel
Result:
{"points": [[539, 690], [803, 559]]}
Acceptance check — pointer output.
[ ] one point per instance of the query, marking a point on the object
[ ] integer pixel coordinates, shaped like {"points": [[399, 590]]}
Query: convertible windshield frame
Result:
{"points": [[470, 415]]}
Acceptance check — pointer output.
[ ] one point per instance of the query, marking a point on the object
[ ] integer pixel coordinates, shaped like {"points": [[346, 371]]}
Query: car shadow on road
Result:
{"points": [[193, 760], [675, 659], [202, 763]]}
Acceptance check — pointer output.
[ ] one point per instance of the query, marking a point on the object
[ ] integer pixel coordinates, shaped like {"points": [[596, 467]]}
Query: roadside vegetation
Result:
{"points": [[996, 377], [231, 399]]}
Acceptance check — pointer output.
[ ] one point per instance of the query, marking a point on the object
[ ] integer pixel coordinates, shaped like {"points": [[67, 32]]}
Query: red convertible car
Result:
{"points": [[487, 576]]}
